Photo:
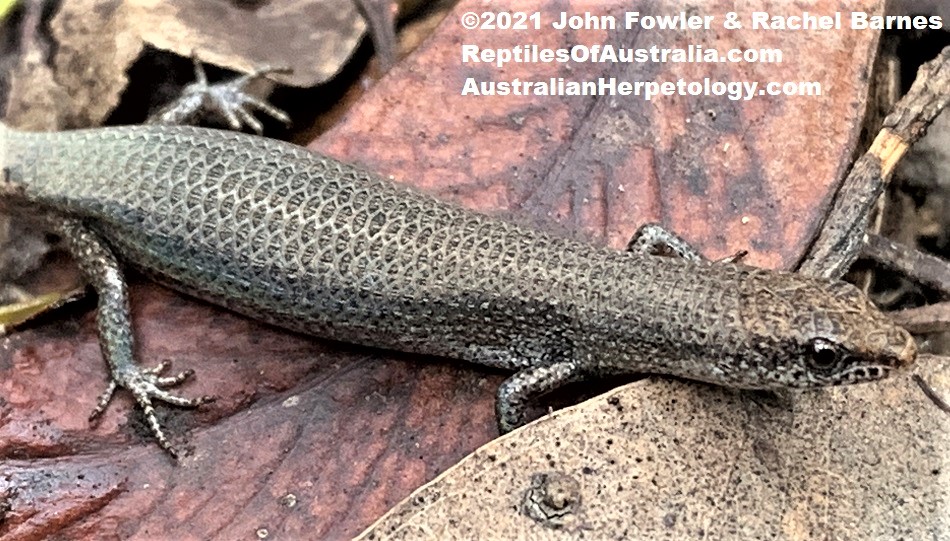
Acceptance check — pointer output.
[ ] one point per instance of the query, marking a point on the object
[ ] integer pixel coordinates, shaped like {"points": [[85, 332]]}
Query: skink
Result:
{"points": [[314, 245]]}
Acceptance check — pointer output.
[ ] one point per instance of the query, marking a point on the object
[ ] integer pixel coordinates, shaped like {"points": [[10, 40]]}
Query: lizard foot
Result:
{"points": [[654, 239], [146, 384], [229, 99]]}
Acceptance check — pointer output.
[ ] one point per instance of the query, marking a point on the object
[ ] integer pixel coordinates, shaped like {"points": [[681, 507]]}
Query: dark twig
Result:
{"points": [[931, 393], [929, 270], [382, 29], [841, 238], [924, 319]]}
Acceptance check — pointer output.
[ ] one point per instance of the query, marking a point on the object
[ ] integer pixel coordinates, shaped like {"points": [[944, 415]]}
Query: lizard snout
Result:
{"points": [[894, 347], [907, 353]]}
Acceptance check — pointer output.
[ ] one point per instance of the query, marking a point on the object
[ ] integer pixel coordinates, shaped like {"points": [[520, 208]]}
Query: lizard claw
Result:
{"points": [[146, 384]]}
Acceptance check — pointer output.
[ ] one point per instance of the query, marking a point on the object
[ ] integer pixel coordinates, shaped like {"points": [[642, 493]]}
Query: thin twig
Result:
{"points": [[840, 241], [924, 268], [382, 30], [931, 393], [924, 319]]}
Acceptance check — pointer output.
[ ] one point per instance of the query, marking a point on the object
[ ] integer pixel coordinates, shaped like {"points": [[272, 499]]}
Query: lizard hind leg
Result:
{"points": [[115, 329], [516, 392]]}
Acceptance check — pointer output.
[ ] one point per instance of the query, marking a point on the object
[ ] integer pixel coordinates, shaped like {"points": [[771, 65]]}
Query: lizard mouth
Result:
{"points": [[863, 374]]}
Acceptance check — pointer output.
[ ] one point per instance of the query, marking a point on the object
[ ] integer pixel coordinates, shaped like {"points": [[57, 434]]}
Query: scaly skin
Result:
{"points": [[305, 242]]}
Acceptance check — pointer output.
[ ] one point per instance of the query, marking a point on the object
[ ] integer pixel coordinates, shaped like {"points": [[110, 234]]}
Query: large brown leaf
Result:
{"points": [[669, 460]]}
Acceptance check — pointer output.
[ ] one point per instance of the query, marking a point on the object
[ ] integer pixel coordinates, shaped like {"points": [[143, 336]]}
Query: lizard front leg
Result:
{"points": [[654, 239], [114, 324], [516, 392]]}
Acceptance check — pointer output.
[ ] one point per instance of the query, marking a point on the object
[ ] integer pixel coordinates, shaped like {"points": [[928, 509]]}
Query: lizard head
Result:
{"points": [[813, 332]]}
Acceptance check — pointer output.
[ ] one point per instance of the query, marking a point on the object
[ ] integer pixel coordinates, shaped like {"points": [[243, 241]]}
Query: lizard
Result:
{"points": [[315, 245]]}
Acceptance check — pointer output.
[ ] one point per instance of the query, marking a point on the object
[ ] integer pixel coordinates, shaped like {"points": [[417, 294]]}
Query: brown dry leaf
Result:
{"points": [[317, 439], [72, 73], [92, 43], [312, 37], [668, 460]]}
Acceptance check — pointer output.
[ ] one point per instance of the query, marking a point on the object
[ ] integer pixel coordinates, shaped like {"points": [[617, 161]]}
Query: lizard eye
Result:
{"points": [[824, 355]]}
